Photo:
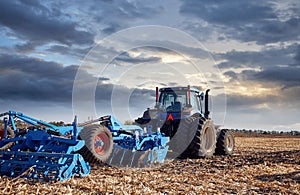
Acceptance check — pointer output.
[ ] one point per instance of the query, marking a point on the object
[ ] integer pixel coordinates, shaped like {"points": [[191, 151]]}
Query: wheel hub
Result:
{"points": [[101, 143]]}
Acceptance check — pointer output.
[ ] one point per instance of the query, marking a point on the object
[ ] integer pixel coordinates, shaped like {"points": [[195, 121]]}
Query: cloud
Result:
{"points": [[262, 22], [24, 78], [278, 66], [38, 24], [228, 12], [297, 56], [117, 15], [72, 51], [248, 102], [127, 58], [283, 76], [267, 57]]}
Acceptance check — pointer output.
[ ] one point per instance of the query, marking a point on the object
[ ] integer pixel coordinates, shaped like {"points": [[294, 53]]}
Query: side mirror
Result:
{"points": [[201, 96]]}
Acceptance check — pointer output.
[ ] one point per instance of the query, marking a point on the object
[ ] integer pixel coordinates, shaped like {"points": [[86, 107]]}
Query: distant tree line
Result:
{"points": [[265, 132]]}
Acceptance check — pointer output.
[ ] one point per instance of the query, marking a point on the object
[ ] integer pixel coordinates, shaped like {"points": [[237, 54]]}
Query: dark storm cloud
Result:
{"points": [[247, 20], [230, 12], [276, 65], [231, 74], [113, 27], [116, 15], [125, 57], [297, 56], [64, 50], [24, 78], [168, 47], [247, 101], [264, 58], [284, 76], [38, 24]]}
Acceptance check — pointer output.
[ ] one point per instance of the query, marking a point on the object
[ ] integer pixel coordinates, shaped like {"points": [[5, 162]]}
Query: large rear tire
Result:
{"points": [[225, 143], [183, 137], [98, 143], [204, 142]]}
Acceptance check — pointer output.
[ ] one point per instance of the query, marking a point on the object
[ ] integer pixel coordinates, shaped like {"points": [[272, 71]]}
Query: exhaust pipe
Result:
{"points": [[206, 111], [189, 95], [156, 97]]}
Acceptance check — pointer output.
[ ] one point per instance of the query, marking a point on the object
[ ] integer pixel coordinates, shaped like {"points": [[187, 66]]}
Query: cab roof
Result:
{"points": [[166, 89]]}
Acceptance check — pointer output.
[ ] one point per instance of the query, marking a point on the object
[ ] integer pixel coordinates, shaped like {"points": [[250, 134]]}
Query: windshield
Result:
{"points": [[173, 100]]}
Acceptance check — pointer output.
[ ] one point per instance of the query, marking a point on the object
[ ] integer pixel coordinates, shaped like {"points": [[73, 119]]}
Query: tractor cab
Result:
{"points": [[179, 99], [176, 103], [185, 100]]}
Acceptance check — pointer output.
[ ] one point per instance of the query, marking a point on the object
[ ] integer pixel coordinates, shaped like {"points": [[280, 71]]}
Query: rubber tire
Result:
{"points": [[88, 134], [225, 143], [183, 138], [205, 139]]}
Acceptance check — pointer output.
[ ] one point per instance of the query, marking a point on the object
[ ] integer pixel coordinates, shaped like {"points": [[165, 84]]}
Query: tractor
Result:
{"points": [[182, 113], [179, 122]]}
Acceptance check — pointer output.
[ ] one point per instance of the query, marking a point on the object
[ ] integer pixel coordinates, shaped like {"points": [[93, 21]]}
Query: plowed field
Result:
{"points": [[260, 165]]}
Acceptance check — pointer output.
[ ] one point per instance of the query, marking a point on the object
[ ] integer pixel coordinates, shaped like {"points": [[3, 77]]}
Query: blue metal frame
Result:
{"points": [[134, 138], [50, 155]]}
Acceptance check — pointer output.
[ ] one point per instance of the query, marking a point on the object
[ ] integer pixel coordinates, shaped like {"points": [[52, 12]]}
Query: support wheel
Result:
{"points": [[98, 143], [225, 143]]}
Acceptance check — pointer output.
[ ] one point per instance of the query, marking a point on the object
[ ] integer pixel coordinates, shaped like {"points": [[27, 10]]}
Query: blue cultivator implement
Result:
{"points": [[35, 149], [39, 149]]}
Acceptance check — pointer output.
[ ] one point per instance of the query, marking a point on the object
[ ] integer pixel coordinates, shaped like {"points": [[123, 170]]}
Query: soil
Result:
{"points": [[260, 165]]}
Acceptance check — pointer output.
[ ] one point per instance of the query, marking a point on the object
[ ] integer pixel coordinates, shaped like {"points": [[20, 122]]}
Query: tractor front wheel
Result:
{"points": [[225, 143]]}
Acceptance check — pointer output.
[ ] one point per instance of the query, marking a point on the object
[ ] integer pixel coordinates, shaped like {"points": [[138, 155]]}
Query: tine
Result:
{"points": [[116, 156], [127, 158], [144, 159], [135, 159]]}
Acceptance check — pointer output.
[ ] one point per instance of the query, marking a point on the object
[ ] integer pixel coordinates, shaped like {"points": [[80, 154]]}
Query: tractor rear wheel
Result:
{"points": [[204, 142], [98, 143], [225, 143], [183, 137]]}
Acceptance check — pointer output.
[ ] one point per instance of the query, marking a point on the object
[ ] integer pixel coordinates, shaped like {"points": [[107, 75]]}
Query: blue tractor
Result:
{"points": [[178, 126], [182, 113]]}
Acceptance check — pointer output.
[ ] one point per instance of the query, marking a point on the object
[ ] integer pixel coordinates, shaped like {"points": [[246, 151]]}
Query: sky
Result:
{"points": [[64, 58]]}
